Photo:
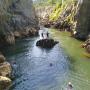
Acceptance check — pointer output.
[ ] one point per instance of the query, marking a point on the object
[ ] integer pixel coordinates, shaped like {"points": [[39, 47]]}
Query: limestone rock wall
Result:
{"points": [[16, 15], [83, 21]]}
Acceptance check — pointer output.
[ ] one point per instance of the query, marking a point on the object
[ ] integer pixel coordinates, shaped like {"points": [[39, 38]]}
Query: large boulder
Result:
{"points": [[5, 72], [25, 33], [87, 42], [46, 43], [5, 69], [2, 59], [4, 83]]}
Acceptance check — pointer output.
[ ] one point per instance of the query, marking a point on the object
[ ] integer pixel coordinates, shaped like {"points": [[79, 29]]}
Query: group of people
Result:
{"points": [[45, 35]]}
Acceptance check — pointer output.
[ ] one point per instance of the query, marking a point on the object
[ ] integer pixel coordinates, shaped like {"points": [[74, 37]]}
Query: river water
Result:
{"points": [[44, 69]]}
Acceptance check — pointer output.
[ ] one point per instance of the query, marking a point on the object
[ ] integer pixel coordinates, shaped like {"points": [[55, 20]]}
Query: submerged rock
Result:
{"points": [[4, 83], [46, 43]]}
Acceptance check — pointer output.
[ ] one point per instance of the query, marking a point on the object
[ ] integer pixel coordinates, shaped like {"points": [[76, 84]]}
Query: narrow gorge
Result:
{"points": [[44, 45]]}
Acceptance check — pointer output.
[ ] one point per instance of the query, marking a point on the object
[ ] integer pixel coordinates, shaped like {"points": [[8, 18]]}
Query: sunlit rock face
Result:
{"points": [[16, 15], [4, 83], [83, 25]]}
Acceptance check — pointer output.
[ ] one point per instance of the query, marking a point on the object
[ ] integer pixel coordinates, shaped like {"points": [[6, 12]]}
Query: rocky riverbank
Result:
{"points": [[17, 20], [5, 73]]}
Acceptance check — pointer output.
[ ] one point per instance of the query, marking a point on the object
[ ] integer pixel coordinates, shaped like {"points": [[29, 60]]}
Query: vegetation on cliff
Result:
{"points": [[69, 15]]}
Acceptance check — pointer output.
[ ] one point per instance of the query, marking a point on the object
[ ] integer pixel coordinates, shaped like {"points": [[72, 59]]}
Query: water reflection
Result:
{"points": [[34, 71]]}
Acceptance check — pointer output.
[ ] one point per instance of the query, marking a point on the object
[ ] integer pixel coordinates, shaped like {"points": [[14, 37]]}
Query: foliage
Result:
{"points": [[61, 8], [46, 2]]}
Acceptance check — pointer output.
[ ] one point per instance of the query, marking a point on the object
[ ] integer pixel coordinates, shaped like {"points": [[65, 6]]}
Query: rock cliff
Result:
{"points": [[16, 15], [17, 20], [83, 21]]}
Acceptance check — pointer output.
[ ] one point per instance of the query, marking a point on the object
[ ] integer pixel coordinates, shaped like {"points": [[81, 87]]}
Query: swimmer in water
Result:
{"points": [[51, 64], [70, 86]]}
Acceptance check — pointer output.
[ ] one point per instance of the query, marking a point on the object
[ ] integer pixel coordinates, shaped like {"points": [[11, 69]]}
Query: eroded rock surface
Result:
{"points": [[16, 16], [4, 83], [5, 73]]}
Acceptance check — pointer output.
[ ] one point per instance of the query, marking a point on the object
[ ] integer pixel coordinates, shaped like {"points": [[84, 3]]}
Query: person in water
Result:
{"points": [[14, 68], [70, 86], [51, 64]]}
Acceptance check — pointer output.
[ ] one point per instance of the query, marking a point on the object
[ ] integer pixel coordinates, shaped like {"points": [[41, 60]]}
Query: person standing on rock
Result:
{"points": [[42, 35], [47, 35]]}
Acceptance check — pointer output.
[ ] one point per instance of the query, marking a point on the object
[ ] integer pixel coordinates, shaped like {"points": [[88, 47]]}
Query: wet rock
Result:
{"points": [[87, 41], [88, 48], [33, 32], [80, 36], [10, 39], [5, 69], [2, 59], [17, 34], [4, 83], [87, 45], [5, 72], [28, 32], [46, 43]]}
